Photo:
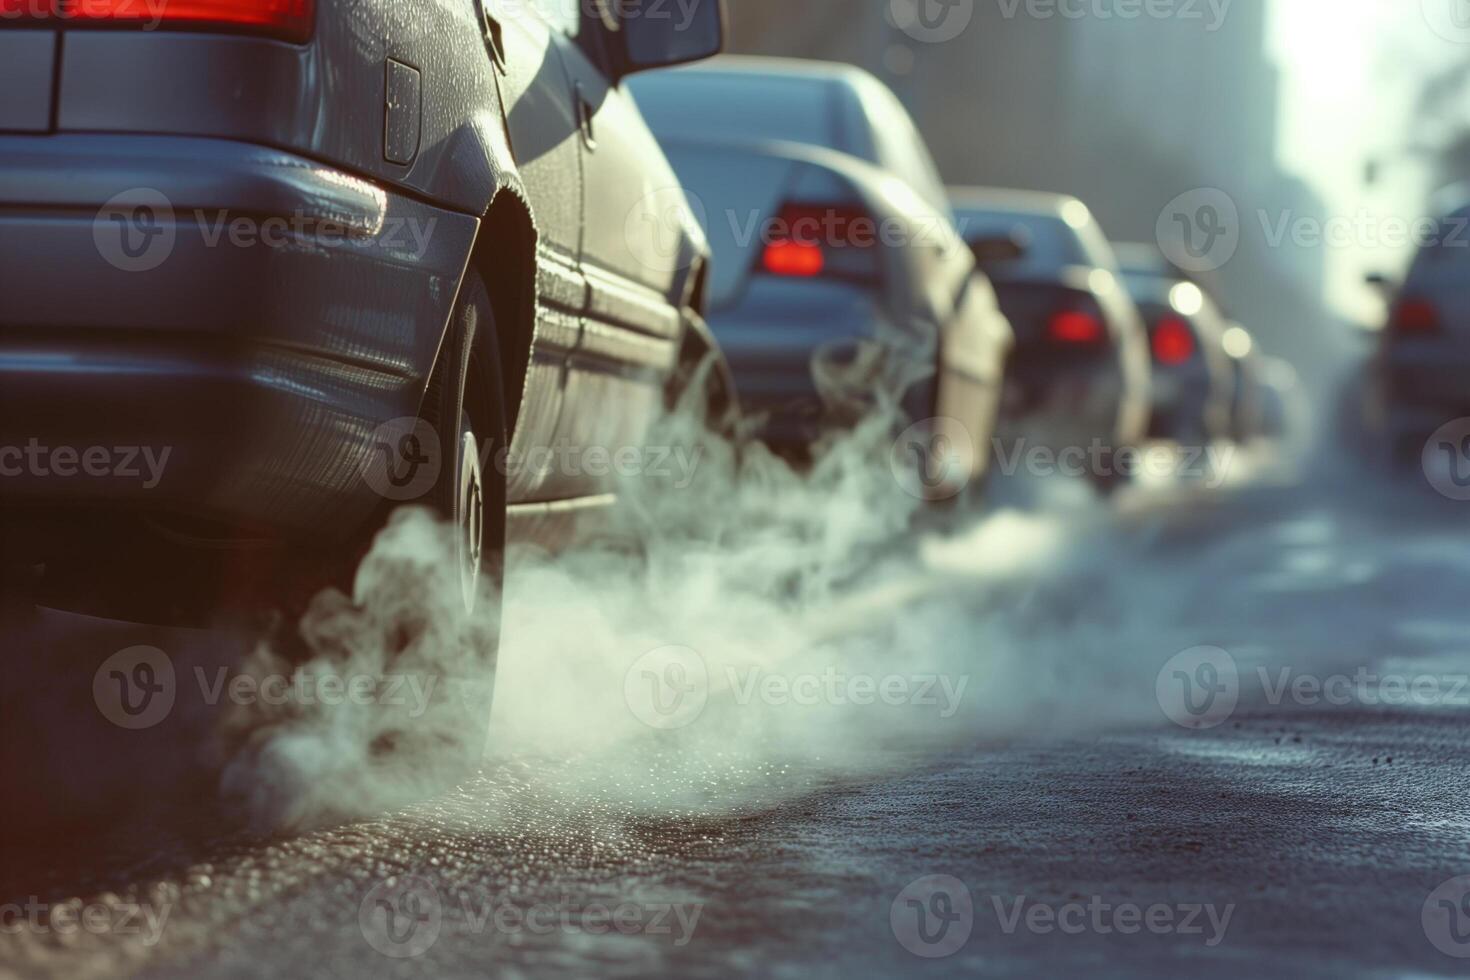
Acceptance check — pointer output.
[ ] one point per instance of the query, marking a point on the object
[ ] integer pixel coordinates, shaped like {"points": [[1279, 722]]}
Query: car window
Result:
{"points": [[720, 105], [1047, 243]]}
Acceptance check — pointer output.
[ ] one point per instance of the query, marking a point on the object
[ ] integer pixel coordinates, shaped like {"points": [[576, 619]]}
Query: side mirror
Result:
{"points": [[657, 34]]}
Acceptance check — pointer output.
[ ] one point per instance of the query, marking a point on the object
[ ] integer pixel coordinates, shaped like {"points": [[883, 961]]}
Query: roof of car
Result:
{"points": [[805, 68], [1142, 257], [1006, 201]]}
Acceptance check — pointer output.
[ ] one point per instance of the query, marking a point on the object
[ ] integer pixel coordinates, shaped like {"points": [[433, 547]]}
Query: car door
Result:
{"points": [[546, 140], [632, 235]]}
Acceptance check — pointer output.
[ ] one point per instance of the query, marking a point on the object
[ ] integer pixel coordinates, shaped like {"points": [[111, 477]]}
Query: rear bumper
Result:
{"points": [[243, 318], [789, 344], [1427, 379]]}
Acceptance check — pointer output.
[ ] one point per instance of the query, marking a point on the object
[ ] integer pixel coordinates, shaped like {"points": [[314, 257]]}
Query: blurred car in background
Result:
{"points": [[1196, 384], [838, 276], [1423, 357], [1079, 375]]}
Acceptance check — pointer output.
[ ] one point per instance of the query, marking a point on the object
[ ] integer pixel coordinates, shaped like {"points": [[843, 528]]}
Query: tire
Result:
{"points": [[444, 644], [465, 403]]}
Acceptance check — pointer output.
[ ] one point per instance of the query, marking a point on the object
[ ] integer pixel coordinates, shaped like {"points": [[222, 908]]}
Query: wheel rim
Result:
{"points": [[469, 518]]}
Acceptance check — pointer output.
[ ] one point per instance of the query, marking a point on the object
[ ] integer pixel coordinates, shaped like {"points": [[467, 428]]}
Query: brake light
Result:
{"points": [[808, 240], [1173, 341], [288, 19], [1075, 327], [1415, 316], [791, 258]]}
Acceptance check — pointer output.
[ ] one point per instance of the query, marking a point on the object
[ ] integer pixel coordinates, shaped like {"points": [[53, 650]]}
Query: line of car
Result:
{"points": [[591, 239]]}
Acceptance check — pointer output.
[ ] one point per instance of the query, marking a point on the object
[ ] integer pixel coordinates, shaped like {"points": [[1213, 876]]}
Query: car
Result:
{"points": [[311, 261], [1424, 347], [1196, 381], [839, 284], [1079, 378]]}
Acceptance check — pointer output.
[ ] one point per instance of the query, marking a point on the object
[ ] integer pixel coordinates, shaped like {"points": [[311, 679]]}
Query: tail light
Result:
{"points": [[805, 241], [1173, 341], [1075, 327], [287, 19], [1415, 316]]}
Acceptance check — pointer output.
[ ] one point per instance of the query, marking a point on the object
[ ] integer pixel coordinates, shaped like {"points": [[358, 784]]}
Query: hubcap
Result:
{"points": [[470, 519]]}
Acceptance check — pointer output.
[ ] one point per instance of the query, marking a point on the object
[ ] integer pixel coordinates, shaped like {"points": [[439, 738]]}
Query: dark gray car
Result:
{"points": [[1424, 353], [837, 269], [1079, 376], [309, 260]]}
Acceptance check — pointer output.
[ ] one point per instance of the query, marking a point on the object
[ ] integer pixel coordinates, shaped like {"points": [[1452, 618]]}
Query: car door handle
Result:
{"points": [[584, 118], [494, 37]]}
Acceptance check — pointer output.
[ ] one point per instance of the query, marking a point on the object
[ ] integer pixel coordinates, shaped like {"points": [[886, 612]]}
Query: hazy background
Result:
{"points": [[1300, 110]]}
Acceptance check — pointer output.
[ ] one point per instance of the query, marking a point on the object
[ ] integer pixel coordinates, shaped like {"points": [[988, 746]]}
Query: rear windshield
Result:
{"points": [[711, 104], [1047, 243]]}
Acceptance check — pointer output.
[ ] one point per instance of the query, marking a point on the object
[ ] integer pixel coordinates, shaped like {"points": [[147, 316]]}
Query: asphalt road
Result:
{"points": [[1296, 818]]}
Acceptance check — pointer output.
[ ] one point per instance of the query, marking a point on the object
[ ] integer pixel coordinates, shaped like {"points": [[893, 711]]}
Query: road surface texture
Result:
{"points": [[1213, 733]]}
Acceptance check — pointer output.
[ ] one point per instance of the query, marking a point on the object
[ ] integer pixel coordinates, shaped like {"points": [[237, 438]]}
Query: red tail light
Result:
{"points": [[806, 240], [1173, 341], [1415, 316], [791, 258], [1075, 327], [288, 19]]}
